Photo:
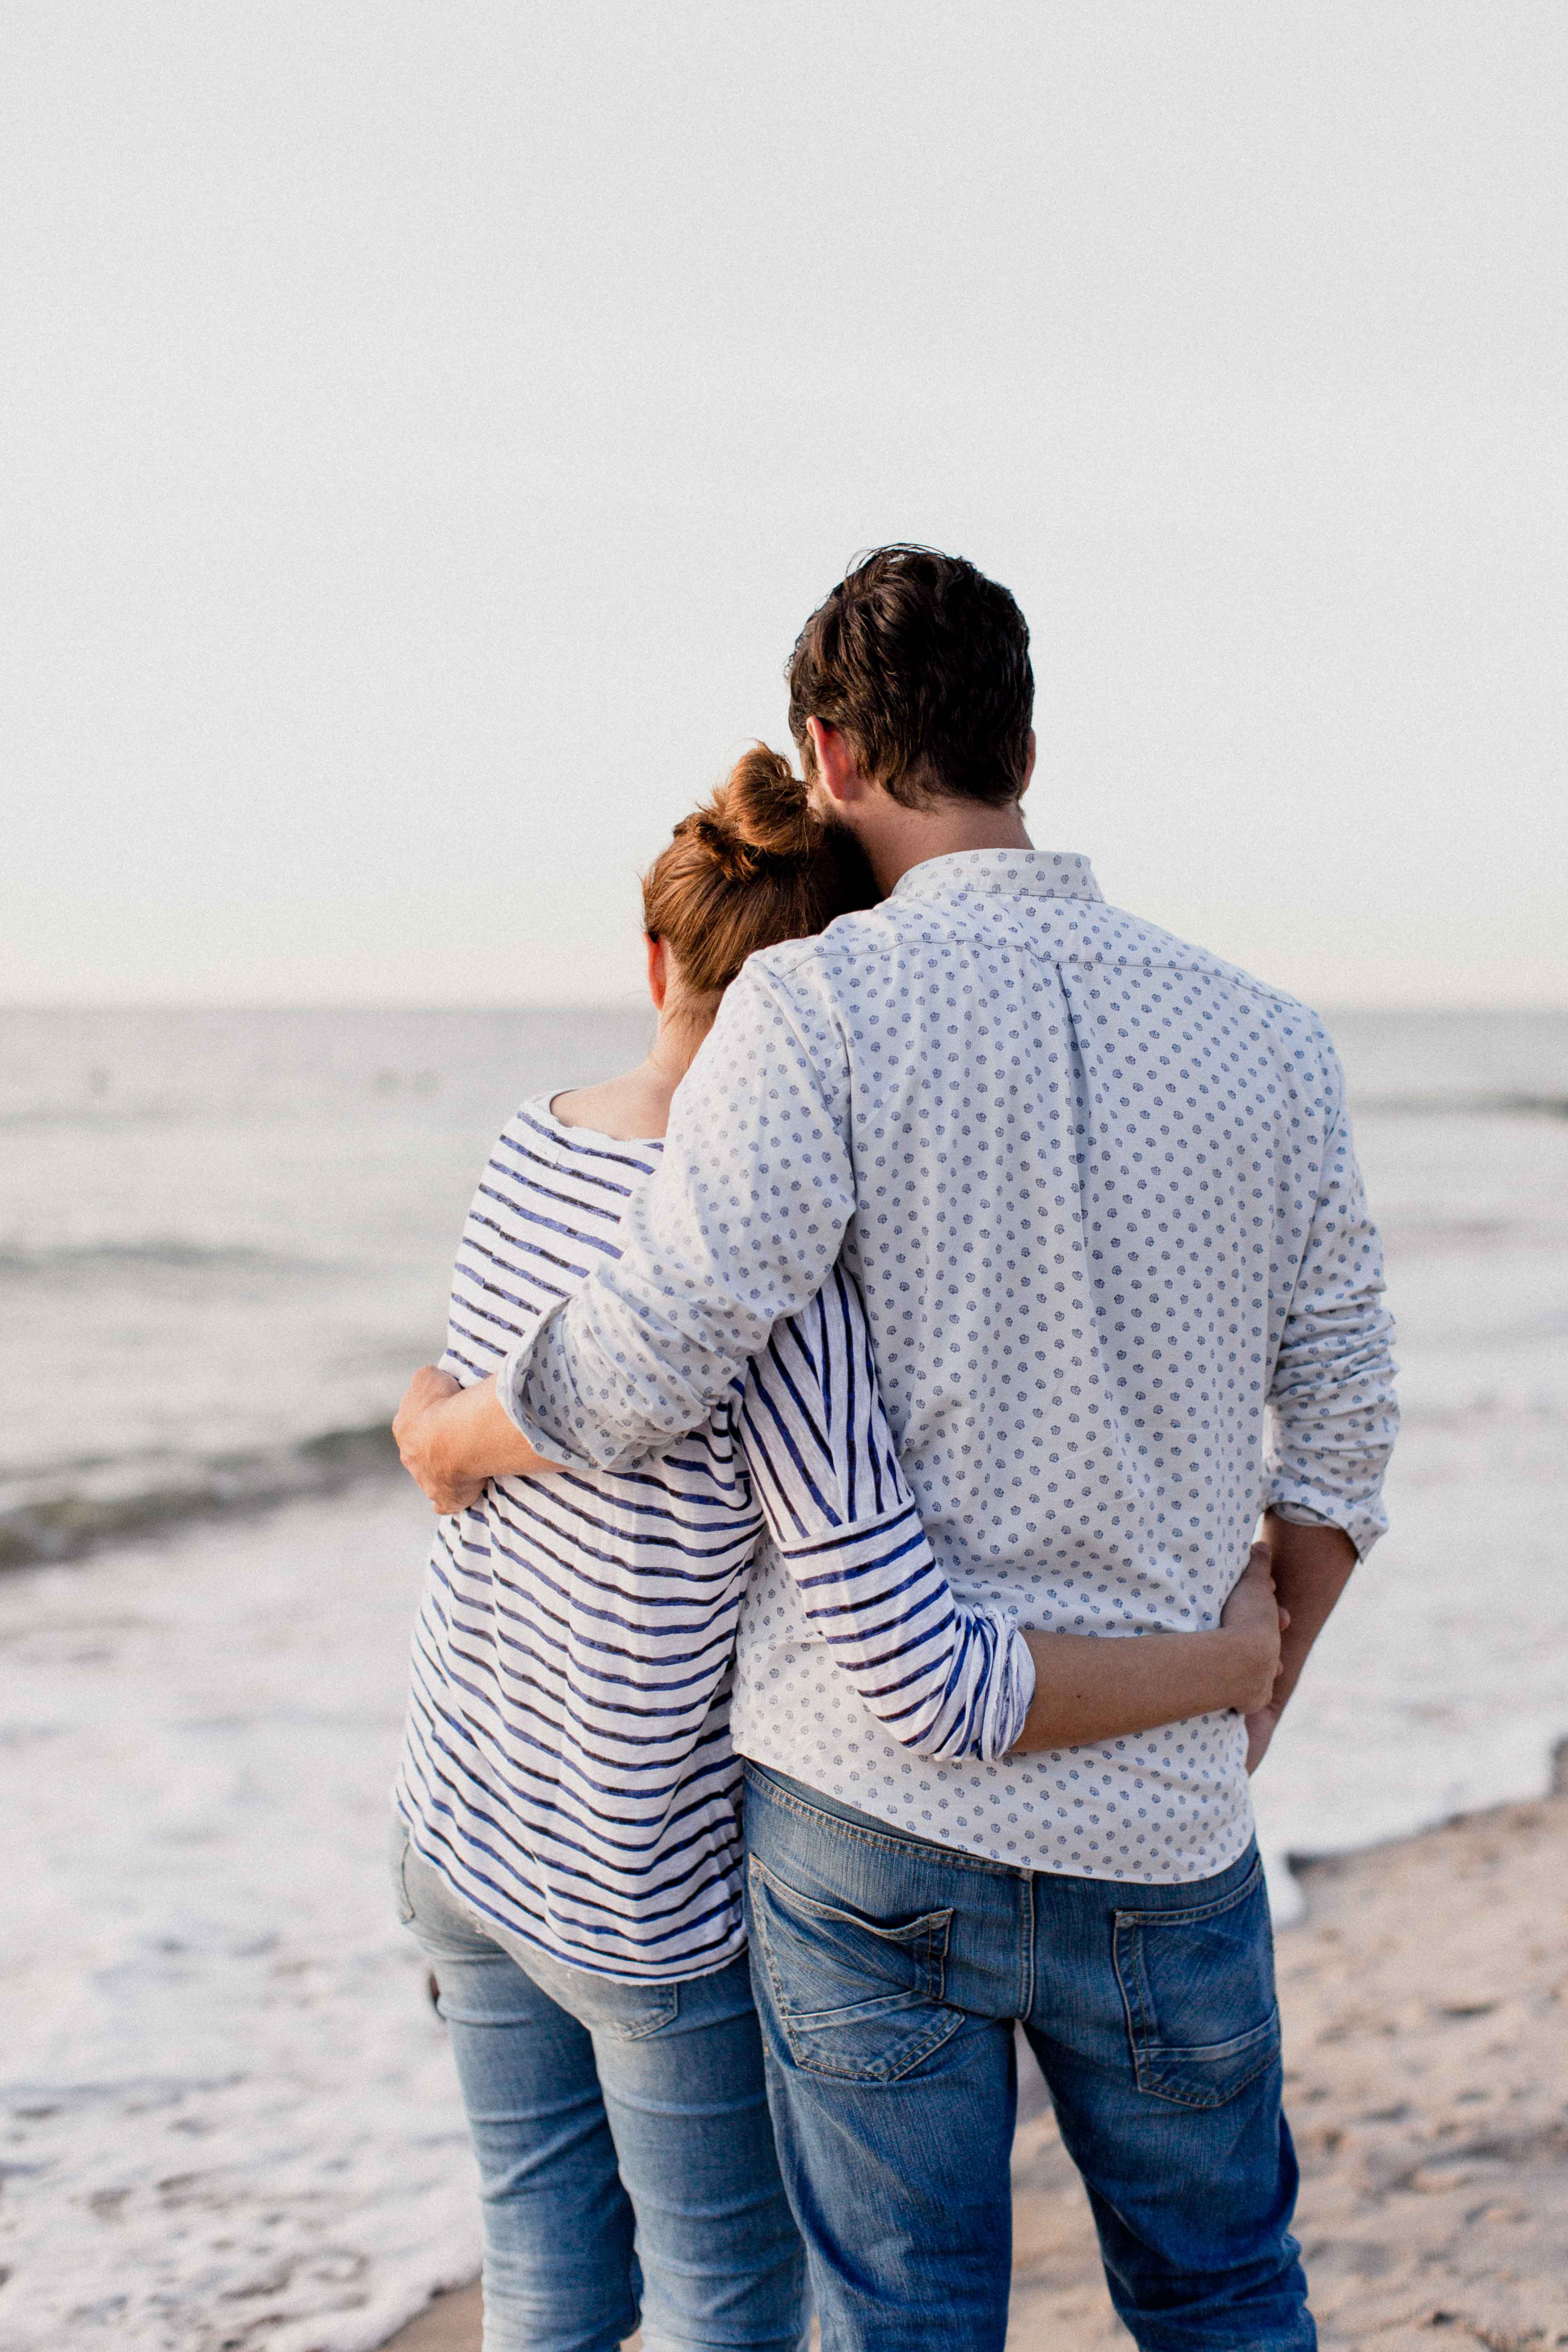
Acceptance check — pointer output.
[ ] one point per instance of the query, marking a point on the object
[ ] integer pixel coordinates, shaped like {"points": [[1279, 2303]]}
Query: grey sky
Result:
{"points": [[424, 429]]}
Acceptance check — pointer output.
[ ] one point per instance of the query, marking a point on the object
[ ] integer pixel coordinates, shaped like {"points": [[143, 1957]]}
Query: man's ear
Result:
{"points": [[1028, 766], [838, 769], [657, 971]]}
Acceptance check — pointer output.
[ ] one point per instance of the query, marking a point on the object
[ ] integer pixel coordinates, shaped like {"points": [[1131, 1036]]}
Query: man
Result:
{"points": [[1099, 1191]]}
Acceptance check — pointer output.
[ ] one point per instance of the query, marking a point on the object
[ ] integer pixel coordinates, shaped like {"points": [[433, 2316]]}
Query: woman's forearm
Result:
{"points": [[1090, 1688]]}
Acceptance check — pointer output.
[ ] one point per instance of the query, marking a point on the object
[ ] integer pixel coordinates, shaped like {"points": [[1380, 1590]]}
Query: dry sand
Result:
{"points": [[1425, 2003]]}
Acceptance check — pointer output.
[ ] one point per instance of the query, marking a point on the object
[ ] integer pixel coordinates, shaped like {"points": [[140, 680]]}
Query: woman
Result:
{"points": [[568, 1842]]}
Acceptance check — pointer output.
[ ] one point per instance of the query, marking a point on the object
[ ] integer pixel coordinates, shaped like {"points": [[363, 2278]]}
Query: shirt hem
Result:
{"points": [[1203, 1867], [501, 1931]]}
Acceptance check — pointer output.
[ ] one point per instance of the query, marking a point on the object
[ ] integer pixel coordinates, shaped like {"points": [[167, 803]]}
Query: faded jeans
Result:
{"points": [[888, 1975], [625, 2152]]}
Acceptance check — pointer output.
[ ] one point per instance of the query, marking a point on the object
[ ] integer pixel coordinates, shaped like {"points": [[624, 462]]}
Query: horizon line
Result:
{"points": [[640, 1004]]}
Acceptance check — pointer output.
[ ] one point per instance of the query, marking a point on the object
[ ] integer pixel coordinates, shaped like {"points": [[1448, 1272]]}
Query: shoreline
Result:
{"points": [[59, 1530], [202, 1861], [1424, 1994]]}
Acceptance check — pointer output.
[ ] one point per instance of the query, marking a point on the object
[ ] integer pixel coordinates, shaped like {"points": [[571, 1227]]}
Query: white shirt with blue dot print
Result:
{"points": [[1100, 1192]]}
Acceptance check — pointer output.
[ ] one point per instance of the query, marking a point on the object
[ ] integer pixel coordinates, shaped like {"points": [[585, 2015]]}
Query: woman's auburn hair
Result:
{"points": [[755, 865]]}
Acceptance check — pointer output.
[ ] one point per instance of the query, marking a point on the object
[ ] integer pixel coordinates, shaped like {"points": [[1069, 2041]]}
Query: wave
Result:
{"points": [[65, 1527], [176, 1255], [1442, 1104]]}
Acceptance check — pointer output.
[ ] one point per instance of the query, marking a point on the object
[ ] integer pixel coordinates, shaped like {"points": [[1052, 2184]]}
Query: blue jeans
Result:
{"points": [[889, 1974], [622, 2142]]}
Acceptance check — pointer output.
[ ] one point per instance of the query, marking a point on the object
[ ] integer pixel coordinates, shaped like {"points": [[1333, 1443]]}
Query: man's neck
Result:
{"points": [[895, 838]]}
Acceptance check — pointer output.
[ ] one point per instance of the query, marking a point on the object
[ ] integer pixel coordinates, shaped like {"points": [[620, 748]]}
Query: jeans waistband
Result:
{"points": [[1157, 1895], [955, 1857]]}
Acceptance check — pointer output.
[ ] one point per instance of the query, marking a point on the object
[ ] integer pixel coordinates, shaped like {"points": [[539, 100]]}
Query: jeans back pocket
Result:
{"points": [[1197, 1984], [857, 1998]]}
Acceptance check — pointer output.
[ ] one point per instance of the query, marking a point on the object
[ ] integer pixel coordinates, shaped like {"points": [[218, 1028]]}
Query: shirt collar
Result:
{"points": [[1043, 872]]}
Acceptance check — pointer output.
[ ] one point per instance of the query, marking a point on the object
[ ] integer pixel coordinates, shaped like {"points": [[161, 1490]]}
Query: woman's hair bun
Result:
{"points": [[767, 806], [760, 811], [753, 866]]}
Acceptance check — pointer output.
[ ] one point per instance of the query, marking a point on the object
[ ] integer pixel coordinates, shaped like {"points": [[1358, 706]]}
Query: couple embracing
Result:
{"points": [[843, 1640]]}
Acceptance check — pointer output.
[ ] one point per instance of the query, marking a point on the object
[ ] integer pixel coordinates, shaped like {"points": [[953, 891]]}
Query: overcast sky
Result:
{"points": [[426, 427]]}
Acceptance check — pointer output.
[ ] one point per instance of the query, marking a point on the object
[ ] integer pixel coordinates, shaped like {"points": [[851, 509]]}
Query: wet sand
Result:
{"points": [[1426, 2005]]}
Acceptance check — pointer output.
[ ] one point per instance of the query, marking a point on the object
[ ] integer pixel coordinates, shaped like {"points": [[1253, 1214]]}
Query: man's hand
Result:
{"points": [[1311, 1568], [453, 1441], [418, 1427], [1255, 1621]]}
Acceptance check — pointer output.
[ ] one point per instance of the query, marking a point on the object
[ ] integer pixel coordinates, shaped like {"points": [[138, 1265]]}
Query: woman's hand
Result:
{"points": [[1253, 1621], [1089, 1689], [1260, 1729], [418, 1427], [453, 1441]]}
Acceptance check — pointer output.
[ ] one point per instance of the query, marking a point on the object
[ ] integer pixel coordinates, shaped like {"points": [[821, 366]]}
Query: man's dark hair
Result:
{"points": [[924, 665]]}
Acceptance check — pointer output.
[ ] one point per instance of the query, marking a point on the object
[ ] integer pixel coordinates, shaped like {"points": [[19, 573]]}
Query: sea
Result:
{"points": [[230, 2120]]}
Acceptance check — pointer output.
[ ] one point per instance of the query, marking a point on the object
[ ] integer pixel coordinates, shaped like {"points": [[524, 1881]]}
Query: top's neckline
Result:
{"points": [[589, 1138]]}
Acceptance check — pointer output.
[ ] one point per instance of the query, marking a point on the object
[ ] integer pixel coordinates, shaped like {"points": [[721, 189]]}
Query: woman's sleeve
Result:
{"points": [[944, 1677]]}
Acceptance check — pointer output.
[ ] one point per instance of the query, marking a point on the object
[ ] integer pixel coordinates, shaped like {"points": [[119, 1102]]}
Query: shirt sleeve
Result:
{"points": [[1333, 1403], [944, 1678], [735, 1230]]}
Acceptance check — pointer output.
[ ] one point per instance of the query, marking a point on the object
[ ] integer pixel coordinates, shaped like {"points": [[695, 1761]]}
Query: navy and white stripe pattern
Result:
{"points": [[944, 1680], [567, 1763]]}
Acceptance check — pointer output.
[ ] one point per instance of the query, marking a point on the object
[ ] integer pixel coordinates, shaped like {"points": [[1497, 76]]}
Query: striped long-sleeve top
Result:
{"points": [[567, 1764]]}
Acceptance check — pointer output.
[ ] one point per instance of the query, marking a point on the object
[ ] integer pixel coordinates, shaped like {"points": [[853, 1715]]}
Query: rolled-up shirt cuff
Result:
{"points": [[1017, 1669], [522, 1410], [1363, 1522]]}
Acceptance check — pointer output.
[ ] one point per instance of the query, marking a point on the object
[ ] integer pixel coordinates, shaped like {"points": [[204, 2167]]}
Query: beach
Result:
{"points": [[1428, 2076], [230, 2116], [1425, 2001]]}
